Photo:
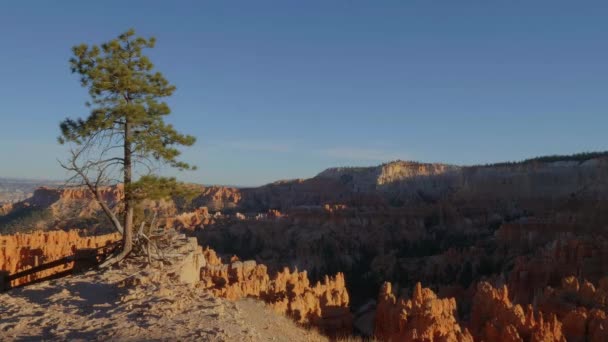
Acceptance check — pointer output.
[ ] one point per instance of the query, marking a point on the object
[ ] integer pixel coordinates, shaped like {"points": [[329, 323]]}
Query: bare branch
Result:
{"points": [[95, 185]]}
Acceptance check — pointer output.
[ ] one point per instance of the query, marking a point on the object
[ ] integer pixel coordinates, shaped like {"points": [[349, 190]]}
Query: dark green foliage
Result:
{"points": [[432, 220], [346, 179], [95, 225], [125, 95], [24, 220], [155, 188], [466, 275], [32, 218], [396, 202], [488, 266], [152, 187], [578, 157]]}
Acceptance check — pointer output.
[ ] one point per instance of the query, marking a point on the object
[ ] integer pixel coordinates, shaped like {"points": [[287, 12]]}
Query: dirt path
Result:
{"points": [[117, 306]]}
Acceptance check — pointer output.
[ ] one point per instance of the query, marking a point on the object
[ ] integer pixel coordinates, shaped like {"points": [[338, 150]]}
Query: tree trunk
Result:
{"points": [[127, 234]]}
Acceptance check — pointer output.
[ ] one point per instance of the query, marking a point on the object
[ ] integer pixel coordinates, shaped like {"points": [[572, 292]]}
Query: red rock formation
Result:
{"points": [[20, 252], [597, 326], [211, 257], [332, 208], [581, 306], [214, 196], [495, 318], [586, 257], [531, 234], [572, 294], [236, 280], [5, 208], [371, 178], [45, 196], [581, 325], [65, 205], [218, 197], [324, 305], [424, 317], [273, 213], [190, 220]]}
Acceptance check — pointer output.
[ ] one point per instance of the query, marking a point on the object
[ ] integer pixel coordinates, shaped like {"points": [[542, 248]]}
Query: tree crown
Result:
{"points": [[125, 89]]}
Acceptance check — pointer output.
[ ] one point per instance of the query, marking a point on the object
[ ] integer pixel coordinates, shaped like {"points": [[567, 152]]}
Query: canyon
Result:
{"points": [[403, 251], [17, 189]]}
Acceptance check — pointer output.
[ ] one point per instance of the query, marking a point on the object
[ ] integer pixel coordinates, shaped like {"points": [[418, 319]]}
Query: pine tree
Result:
{"points": [[125, 130]]}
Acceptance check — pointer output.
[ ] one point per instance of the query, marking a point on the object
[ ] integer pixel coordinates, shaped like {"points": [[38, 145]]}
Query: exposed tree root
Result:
{"points": [[115, 258]]}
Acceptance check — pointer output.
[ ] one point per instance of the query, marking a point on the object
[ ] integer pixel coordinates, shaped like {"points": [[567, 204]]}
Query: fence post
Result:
{"points": [[5, 283]]}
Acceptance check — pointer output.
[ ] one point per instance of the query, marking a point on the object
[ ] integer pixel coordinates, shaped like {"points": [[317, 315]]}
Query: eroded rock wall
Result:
{"points": [[20, 252], [580, 305], [424, 317], [495, 318], [190, 220], [584, 256], [324, 305]]}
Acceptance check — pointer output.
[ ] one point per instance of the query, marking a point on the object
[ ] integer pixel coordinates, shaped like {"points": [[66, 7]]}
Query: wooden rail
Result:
{"points": [[82, 259]]}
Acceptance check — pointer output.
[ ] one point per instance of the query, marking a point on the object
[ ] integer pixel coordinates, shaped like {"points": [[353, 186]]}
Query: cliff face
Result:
{"points": [[55, 208], [424, 317], [547, 180], [324, 305], [189, 220], [401, 171], [20, 252], [70, 208], [45, 196], [76, 201], [395, 184], [218, 198], [284, 195], [368, 179], [5, 208], [13, 190], [407, 181]]}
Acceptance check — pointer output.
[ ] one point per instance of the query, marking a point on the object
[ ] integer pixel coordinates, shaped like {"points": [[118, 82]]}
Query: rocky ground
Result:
{"points": [[131, 305]]}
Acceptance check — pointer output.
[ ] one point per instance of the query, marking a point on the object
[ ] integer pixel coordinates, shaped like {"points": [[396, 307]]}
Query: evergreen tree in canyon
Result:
{"points": [[124, 138]]}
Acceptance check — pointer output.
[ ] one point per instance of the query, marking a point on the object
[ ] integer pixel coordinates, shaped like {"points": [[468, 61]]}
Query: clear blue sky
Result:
{"points": [[285, 89]]}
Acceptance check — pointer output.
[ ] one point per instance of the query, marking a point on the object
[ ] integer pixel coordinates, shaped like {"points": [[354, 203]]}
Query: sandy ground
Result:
{"points": [[118, 305]]}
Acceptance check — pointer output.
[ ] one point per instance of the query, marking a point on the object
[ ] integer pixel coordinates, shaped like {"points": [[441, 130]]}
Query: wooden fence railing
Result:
{"points": [[82, 259]]}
